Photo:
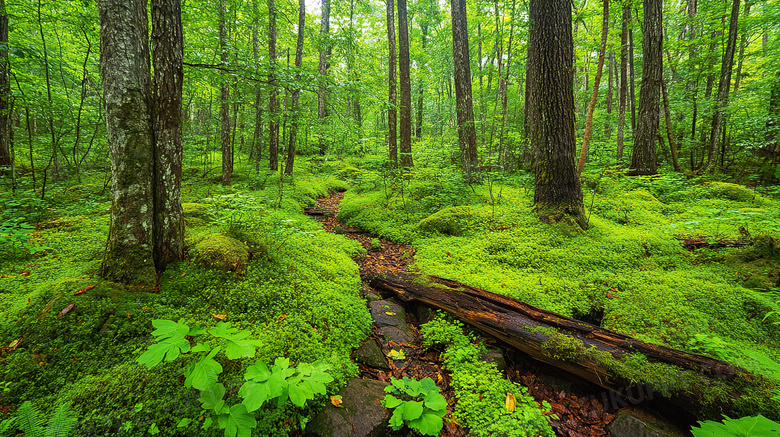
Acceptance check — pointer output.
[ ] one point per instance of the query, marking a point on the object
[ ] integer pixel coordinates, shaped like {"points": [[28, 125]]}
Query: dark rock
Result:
{"points": [[361, 413], [397, 336], [369, 294], [637, 423], [371, 355], [390, 319], [495, 356]]}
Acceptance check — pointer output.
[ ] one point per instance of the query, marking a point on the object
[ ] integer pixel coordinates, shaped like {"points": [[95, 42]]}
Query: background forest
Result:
{"points": [[285, 102]]}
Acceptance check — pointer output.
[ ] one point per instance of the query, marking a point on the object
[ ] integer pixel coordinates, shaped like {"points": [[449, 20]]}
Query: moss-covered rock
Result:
{"points": [[220, 252], [740, 193], [449, 221], [195, 214]]}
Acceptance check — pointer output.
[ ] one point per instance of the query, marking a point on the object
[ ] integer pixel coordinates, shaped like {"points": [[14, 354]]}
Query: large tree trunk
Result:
{"points": [[273, 100], [467, 134], [550, 112], [406, 86], [168, 53], [322, 108], [643, 156], [392, 99], [224, 98], [288, 169], [124, 68], [596, 83], [724, 86], [5, 90], [577, 347]]}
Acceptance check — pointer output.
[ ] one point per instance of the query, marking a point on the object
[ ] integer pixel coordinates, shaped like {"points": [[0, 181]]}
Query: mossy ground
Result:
{"points": [[299, 295], [627, 272]]}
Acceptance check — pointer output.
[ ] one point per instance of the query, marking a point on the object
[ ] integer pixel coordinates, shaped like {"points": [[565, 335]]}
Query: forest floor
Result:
{"points": [[576, 403]]}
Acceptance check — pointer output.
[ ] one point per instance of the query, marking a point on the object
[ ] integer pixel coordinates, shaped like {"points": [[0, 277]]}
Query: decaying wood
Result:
{"points": [[705, 242], [513, 322]]}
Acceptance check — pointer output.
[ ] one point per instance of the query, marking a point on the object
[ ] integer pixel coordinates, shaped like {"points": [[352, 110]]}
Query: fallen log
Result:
{"points": [[698, 384], [707, 242]]}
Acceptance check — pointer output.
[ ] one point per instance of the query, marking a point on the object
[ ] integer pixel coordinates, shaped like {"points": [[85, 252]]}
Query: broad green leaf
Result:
{"points": [[201, 347], [212, 396], [427, 424], [436, 402], [756, 426], [391, 401], [239, 422], [413, 387], [254, 394], [299, 393], [169, 328], [411, 409], [258, 372], [168, 349], [184, 422], [397, 419], [203, 374], [239, 349], [428, 386]]}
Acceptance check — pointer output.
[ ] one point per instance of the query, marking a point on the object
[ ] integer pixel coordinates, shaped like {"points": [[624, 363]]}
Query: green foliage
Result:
{"points": [[28, 420], [279, 383], [481, 390], [756, 426], [417, 404]]}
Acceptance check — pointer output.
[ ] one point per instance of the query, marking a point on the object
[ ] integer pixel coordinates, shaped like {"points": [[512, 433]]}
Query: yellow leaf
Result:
{"points": [[510, 402], [219, 316], [336, 401], [389, 313]]}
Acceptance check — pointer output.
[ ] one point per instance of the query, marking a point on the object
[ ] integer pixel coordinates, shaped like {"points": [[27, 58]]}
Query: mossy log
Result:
{"points": [[608, 359]]}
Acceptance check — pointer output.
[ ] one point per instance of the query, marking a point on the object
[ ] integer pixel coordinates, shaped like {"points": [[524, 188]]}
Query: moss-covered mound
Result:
{"points": [[448, 221], [223, 253]]}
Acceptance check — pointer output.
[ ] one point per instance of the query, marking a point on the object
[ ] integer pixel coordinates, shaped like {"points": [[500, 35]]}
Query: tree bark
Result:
{"points": [[643, 156], [406, 86], [257, 142], [5, 90], [569, 344], [669, 134], [558, 195], [322, 108], [125, 70], [168, 54], [392, 99], [421, 84], [595, 94], [724, 85], [273, 100], [224, 98], [741, 56], [467, 134], [288, 169]]}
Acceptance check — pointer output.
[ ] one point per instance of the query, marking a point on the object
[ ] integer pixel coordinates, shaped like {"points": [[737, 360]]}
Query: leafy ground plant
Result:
{"points": [[756, 426], [418, 404], [279, 383], [28, 420]]}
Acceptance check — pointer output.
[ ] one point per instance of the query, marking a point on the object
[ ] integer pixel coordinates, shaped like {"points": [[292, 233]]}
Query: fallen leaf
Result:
{"points": [[66, 310], [510, 402], [282, 317], [12, 345], [390, 313], [84, 290], [25, 273], [219, 316], [396, 354], [336, 400]]}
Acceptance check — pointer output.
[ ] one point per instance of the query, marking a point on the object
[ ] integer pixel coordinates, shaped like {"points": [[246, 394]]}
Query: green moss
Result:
{"points": [[222, 253], [740, 193], [449, 221]]}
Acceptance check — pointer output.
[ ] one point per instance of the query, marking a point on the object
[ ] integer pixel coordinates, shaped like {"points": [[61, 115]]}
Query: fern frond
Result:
{"points": [[6, 426], [60, 423], [29, 420]]}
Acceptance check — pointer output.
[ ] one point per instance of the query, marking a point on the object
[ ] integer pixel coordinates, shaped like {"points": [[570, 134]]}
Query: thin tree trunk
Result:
{"points": [[224, 98], [257, 142], [168, 54], [632, 79], [5, 90], [741, 57], [595, 94], [322, 109], [669, 133], [723, 89], [50, 102], [391, 94], [406, 86], [623, 92], [288, 169], [273, 100], [421, 84]]}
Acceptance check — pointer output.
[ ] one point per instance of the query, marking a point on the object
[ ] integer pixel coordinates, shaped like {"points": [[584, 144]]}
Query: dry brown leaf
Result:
{"points": [[219, 316], [336, 401], [84, 290]]}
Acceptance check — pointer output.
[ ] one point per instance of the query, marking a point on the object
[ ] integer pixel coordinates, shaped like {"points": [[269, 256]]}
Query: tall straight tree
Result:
{"points": [[392, 98], [406, 86], [558, 194], [273, 99], [322, 106], [5, 89], [167, 54], [224, 98], [257, 143], [296, 94], [724, 85], [467, 134], [595, 94], [643, 156], [623, 91]]}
